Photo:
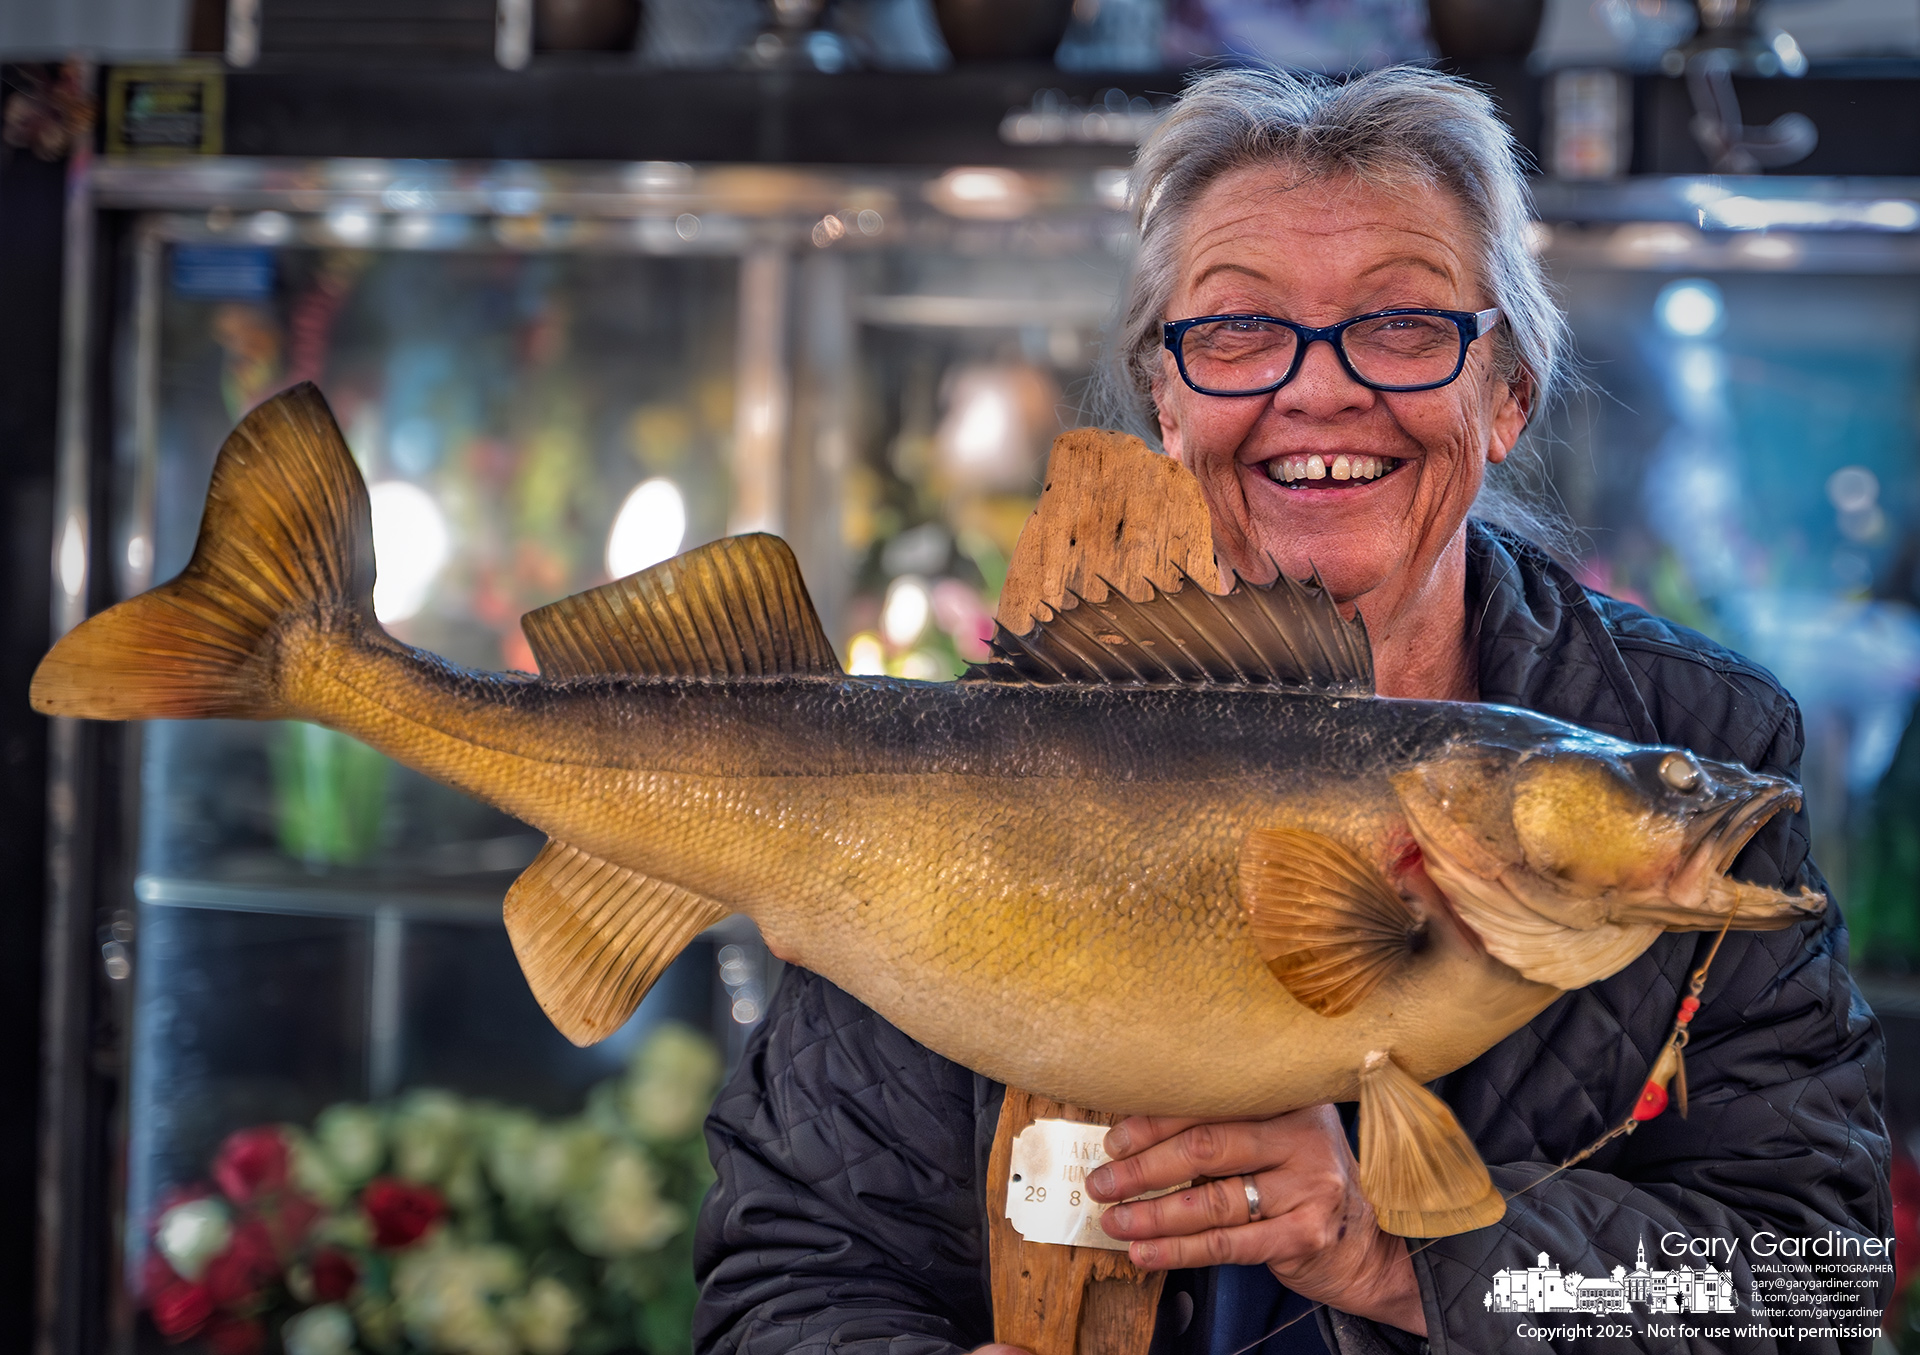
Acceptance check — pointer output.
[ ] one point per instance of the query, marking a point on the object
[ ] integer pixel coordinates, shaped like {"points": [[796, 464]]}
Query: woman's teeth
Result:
{"points": [[1288, 469]]}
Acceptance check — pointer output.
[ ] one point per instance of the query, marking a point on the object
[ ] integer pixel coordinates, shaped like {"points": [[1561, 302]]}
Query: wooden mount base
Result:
{"points": [[1055, 1300]]}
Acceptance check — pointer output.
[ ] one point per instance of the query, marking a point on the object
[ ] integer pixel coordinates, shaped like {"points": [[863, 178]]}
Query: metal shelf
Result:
{"points": [[418, 902]]}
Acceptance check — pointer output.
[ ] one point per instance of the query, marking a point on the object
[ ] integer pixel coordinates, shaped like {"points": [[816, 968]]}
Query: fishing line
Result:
{"points": [[1682, 1017]]}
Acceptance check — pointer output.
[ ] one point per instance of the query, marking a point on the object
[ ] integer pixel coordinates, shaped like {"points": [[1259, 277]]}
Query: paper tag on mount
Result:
{"points": [[1047, 1198]]}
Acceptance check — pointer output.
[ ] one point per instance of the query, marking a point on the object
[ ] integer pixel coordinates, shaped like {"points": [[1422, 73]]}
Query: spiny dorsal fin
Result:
{"points": [[1282, 634], [592, 937], [736, 609], [1328, 925], [1418, 1169]]}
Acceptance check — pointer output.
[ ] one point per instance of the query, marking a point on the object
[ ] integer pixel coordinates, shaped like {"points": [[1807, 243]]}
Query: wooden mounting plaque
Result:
{"points": [[1056, 1300]]}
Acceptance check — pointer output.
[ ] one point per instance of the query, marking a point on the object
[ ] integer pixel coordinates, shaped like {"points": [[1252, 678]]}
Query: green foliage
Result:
{"points": [[1883, 912], [329, 795]]}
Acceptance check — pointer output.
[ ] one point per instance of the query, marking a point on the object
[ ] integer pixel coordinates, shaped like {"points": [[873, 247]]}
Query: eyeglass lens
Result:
{"points": [[1389, 350]]}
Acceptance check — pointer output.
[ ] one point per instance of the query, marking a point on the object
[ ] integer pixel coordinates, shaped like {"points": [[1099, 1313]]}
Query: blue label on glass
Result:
{"points": [[222, 271]]}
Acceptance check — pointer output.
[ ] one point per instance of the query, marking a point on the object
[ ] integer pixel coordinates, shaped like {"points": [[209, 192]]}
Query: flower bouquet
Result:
{"points": [[438, 1223]]}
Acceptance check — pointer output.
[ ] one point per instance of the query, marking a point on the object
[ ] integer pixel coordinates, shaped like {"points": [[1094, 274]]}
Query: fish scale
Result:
{"points": [[1165, 853]]}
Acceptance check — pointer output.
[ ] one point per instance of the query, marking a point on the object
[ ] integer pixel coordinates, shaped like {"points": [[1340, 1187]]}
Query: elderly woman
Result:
{"points": [[1336, 324]]}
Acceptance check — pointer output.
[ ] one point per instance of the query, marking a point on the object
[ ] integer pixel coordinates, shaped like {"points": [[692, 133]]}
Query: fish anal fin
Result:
{"points": [[1329, 926], [736, 608], [1418, 1169], [592, 937]]}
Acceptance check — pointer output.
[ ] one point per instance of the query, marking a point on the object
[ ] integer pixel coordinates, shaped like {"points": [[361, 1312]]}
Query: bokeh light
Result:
{"points": [[649, 528], [410, 545], [1690, 308]]}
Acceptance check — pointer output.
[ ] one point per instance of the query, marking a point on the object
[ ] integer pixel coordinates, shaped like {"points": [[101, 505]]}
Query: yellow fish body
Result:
{"points": [[1168, 857]]}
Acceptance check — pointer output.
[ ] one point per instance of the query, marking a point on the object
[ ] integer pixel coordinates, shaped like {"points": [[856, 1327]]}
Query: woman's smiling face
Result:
{"points": [[1317, 250]]}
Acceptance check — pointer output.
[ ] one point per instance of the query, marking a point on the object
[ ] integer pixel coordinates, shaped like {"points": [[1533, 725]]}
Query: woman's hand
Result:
{"points": [[1316, 1232]]}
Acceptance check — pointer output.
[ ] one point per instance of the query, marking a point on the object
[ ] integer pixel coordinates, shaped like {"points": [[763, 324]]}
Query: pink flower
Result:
{"points": [[181, 1309], [228, 1335], [401, 1211], [240, 1275], [334, 1275], [251, 1163]]}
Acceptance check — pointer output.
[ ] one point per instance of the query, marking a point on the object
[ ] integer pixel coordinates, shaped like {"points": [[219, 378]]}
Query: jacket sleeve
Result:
{"points": [[1783, 1140], [846, 1214]]}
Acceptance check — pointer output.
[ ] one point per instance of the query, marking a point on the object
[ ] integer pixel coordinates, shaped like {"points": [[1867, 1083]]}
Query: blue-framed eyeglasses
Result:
{"points": [[1407, 349]]}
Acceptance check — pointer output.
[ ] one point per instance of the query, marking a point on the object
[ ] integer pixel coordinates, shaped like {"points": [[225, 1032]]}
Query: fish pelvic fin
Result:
{"points": [[287, 530], [1418, 1169], [592, 937], [737, 608], [1328, 925]]}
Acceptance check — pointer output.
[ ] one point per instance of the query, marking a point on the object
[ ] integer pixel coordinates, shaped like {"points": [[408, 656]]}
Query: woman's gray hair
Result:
{"points": [[1390, 127]]}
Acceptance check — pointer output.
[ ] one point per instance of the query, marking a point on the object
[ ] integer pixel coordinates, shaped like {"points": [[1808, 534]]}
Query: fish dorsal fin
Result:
{"points": [[734, 609], [1286, 633], [592, 937]]}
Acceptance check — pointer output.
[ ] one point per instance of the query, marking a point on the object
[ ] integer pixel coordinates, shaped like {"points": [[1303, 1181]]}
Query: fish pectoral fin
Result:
{"points": [[592, 937], [736, 608], [1328, 925], [1418, 1169]]}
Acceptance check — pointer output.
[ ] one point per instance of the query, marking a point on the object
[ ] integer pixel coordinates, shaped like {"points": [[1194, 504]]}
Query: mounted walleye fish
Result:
{"points": [[1188, 804]]}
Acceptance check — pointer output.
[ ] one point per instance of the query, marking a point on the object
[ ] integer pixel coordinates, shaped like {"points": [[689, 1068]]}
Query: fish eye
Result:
{"points": [[1680, 771]]}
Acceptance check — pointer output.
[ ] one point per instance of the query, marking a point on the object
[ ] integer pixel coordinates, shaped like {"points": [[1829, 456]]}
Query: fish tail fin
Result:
{"points": [[1418, 1169], [592, 937], [288, 531]]}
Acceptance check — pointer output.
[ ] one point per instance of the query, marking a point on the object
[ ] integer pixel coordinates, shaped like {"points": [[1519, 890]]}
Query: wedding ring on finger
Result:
{"points": [[1253, 1199]]}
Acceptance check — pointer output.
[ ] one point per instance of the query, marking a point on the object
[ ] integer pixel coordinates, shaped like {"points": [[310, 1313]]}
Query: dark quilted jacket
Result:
{"points": [[850, 1207]]}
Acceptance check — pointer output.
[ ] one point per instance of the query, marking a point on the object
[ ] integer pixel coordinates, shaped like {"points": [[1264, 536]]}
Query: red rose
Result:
{"points": [[239, 1275], [227, 1335], [401, 1211], [334, 1274], [250, 1163], [181, 1309]]}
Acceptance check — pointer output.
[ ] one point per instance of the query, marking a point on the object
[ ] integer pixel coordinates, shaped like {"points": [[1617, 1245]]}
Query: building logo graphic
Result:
{"points": [[1543, 1289]]}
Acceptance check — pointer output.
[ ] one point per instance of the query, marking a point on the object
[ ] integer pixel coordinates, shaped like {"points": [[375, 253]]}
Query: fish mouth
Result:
{"points": [[1702, 890], [1554, 931]]}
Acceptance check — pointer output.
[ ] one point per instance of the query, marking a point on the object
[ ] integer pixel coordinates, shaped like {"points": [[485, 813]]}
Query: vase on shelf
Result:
{"points": [[1481, 30], [1003, 30]]}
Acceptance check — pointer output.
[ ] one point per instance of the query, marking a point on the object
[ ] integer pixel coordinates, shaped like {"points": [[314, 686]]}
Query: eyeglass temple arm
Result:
{"points": [[1484, 321]]}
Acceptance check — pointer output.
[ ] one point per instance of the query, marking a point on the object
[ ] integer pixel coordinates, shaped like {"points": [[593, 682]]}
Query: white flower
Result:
{"points": [[429, 1133], [670, 1084], [448, 1297], [313, 1171], [535, 1164], [354, 1138], [192, 1234], [620, 1209], [326, 1330], [545, 1316]]}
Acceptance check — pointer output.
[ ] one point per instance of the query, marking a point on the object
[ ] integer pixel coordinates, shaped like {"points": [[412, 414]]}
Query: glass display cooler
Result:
{"points": [[550, 376], [1743, 460]]}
